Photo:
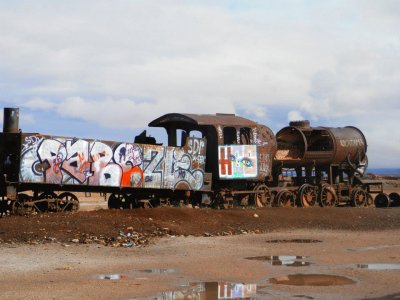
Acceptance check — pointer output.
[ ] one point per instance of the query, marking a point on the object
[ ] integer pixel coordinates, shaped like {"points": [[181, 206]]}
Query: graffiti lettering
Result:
{"points": [[153, 159], [77, 161], [352, 143]]}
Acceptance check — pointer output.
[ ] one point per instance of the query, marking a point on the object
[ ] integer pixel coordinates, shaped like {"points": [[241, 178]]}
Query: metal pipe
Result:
{"points": [[11, 120]]}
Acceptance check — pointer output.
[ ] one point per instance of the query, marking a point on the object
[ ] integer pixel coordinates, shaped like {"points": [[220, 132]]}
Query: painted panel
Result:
{"points": [[60, 160], [237, 161]]}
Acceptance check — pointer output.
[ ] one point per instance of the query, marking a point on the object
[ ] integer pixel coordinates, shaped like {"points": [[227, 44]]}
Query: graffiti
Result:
{"points": [[237, 161], [263, 163], [129, 158], [154, 166], [220, 132], [77, 161], [352, 143]]}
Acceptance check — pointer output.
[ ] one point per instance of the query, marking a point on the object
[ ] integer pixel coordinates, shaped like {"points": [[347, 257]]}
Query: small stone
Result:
{"points": [[76, 241], [255, 216]]}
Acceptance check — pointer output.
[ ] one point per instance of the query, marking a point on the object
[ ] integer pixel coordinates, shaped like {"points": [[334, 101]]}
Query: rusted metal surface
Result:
{"points": [[302, 145], [221, 159], [240, 148], [11, 120], [189, 120]]}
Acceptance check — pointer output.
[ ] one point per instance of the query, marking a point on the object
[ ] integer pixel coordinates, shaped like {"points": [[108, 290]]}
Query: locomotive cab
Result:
{"points": [[239, 151]]}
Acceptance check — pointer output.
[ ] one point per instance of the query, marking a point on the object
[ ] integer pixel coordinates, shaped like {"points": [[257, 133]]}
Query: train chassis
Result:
{"points": [[255, 195]]}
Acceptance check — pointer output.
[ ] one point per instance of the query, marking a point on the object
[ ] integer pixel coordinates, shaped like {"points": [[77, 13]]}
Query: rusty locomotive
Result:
{"points": [[218, 160]]}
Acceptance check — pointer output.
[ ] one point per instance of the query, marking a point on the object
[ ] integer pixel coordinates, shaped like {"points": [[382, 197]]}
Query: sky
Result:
{"points": [[104, 69]]}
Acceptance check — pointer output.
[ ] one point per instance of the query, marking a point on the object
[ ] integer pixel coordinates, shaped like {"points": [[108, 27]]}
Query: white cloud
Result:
{"points": [[124, 63], [295, 116], [40, 104]]}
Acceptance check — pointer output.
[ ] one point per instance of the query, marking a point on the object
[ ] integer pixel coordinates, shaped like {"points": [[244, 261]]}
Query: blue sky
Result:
{"points": [[105, 69]]}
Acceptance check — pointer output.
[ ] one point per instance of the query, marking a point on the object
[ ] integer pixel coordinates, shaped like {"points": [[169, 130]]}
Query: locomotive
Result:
{"points": [[219, 160]]}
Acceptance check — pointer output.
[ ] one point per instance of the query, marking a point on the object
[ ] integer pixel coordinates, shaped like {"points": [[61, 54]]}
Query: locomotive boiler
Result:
{"points": [[330, 158]]}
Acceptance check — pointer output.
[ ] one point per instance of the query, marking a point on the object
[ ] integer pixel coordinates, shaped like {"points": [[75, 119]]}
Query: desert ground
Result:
{"points": [[202, 253]]}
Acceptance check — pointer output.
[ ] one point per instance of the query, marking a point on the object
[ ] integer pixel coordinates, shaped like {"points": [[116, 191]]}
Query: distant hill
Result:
{"points": [[384, 171]]}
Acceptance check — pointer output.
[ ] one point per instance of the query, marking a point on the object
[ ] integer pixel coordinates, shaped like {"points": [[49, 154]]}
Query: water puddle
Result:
{"points": [[117, 276], [312, 280], [212, 290], [379, 267], [109, 276], [155, 271], [298, 241], [373, 248], [283, 260]]}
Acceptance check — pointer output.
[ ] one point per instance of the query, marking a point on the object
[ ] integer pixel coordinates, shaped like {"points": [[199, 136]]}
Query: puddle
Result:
{"points": [[117, 276], [373, 248], [109, 276], [283, 260], [379, 267], [212, 290], [312, 280], [155, 271], [299, 241]]}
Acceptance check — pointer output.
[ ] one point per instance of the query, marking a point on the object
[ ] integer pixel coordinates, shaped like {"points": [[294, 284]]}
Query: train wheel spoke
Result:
{"points": [[263, 196], [286, 198], [67, 202], [307, 195], [359, 197], [327, 196]]}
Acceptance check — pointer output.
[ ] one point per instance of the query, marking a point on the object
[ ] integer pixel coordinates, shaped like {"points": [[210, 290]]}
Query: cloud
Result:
{"points": [[295, 116], [123, 64]]}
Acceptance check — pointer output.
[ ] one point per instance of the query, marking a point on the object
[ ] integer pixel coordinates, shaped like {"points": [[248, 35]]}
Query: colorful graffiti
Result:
{"points": [[237, 161], [59, 160]]}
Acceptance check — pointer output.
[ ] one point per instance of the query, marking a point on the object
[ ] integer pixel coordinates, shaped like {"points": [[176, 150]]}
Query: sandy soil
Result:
{"points": [[178, 253], [57, 271]]}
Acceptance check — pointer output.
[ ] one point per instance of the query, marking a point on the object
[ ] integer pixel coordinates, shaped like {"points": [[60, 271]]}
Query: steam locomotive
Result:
{"points": [[219, 160]]}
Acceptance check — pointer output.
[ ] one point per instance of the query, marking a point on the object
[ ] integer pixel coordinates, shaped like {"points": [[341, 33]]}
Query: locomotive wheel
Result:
{"points": [[359, 197], [23, 204], [263, 197], [382, 200], [118, 201], [67, 202], [244, 200], [307, 195], [6, 206], [327, 196], [274, 199], [217, 200], [395, 199], [370, 200], [42, 203], [286, 198], [132, 201]]}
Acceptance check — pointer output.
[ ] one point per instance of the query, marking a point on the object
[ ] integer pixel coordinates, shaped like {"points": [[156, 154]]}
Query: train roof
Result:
{"points": [[190, 120]]}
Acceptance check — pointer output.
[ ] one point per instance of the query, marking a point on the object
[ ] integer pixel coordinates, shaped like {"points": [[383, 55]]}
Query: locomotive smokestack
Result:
{"points": [[11, 120]]}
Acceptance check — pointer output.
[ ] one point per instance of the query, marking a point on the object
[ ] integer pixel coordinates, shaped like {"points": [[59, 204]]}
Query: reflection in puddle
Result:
{"points": [[155, 271], [379, 266], [373, 248], [109, 276], [283, 260], [312, 280], [212, 290], [299, 241]]}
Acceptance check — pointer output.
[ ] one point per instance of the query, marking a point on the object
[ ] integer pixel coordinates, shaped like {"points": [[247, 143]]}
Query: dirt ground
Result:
{"points": [[189, 253]]}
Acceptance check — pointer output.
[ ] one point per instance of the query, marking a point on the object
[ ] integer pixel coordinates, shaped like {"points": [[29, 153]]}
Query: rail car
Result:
{"points": [[219, 160]]}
